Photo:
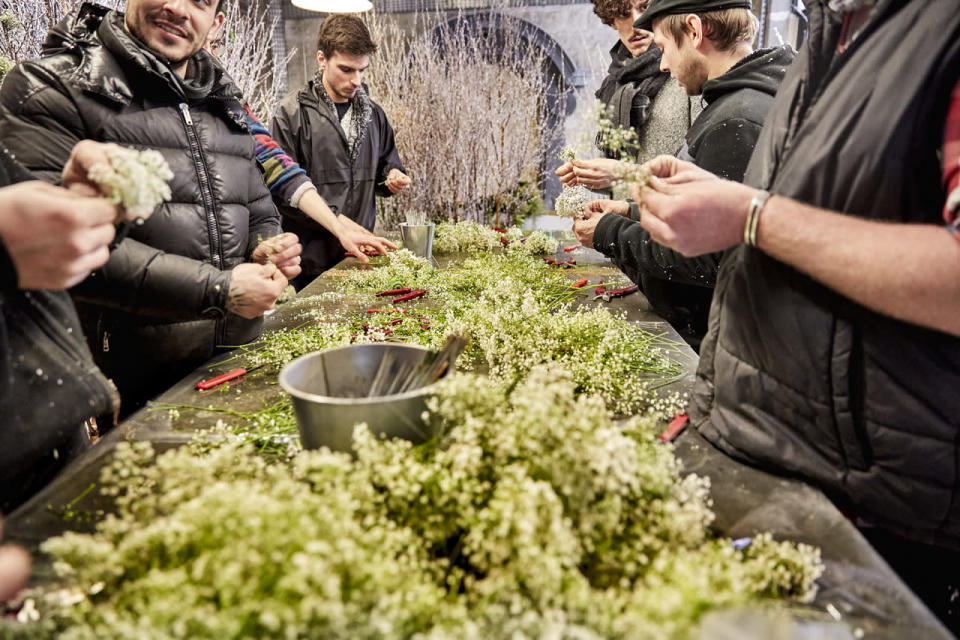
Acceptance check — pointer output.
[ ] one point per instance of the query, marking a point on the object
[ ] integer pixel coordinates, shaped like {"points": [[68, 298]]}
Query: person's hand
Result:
{"points": [[14, 570], [254, 288], [283, 251], [566, 175], [585, 227], [55, 237], [397, 181], [84, 155], [619, 207], [598, 173], [674, 171], [695, 217]]}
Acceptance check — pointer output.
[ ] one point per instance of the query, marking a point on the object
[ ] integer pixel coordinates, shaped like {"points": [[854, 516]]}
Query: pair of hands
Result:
{"points": [[598, 173], [56, 236], [255, 286], [682, 206], [355, 239]]}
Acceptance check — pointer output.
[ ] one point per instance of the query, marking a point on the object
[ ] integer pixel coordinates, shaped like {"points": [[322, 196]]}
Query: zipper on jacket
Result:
{"points": [[106, 342], [206, 192]]}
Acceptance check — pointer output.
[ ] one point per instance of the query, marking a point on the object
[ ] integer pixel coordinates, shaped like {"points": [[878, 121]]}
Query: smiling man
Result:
{"points": [[195, 275], [341, 138]]}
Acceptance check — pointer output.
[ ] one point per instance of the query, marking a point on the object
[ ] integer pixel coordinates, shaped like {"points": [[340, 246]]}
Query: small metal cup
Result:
{"points": [[418, 238]]}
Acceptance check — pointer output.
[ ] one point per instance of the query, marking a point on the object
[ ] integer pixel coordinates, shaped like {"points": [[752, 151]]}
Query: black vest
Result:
{"points": [[799, 379]]}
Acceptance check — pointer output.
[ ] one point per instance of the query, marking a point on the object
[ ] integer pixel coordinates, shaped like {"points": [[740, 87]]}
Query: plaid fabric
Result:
{"points": [[951, 164]]}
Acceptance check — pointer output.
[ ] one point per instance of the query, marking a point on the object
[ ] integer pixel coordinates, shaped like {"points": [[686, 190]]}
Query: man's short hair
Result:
{"points": [[726, 29], [219, 6], [341, 33]]}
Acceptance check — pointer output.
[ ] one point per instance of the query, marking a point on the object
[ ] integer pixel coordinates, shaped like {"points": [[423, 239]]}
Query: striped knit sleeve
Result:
{"points": [[285, 178]]}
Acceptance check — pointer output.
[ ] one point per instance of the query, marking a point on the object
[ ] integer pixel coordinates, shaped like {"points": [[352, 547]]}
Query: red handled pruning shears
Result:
{"points": [[203, 385]]}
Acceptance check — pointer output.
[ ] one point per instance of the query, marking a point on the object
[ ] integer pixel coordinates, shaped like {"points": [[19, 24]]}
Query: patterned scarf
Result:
{"points": [[355, 120]]}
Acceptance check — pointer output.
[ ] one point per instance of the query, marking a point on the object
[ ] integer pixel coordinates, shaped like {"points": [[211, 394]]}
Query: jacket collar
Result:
{"points": [[110, 57]]}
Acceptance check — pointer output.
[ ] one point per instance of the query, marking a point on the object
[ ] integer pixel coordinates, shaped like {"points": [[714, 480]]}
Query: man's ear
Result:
{"points": [[321, 59], [215, 34], [694, 30]]}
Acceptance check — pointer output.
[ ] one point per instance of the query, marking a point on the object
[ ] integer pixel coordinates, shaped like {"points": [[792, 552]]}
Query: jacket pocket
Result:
{"points": [[847, 379]]}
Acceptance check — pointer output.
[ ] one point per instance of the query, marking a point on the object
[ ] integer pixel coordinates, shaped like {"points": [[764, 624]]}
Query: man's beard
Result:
{"points": [[844, 6], [691, 75]]}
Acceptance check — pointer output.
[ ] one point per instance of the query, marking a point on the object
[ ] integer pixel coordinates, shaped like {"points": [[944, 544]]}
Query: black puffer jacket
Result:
{"points": [[157, 308], [48, 383], [347, 178], [795, 377], [721, 141]]}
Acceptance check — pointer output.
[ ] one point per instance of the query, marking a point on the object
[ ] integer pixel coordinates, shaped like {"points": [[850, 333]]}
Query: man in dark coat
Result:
{"points": [[341, 138], [50, 389], [182, 283], [833, 351], [706, 47]]}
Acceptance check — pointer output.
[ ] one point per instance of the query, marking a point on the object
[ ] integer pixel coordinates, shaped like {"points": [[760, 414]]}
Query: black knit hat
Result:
{"points": [[660, 8]]}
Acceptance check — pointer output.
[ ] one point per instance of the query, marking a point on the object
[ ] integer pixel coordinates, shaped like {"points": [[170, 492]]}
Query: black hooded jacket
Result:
{"points": [[721, 141], [49, 384], [157, 309]]}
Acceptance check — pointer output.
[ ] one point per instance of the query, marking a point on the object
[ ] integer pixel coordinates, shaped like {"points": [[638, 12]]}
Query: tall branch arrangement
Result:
{"points": [[470, 113], [248, 56]]}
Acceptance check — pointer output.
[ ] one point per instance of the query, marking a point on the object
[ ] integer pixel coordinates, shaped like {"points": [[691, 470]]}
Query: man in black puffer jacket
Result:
{"points": [[833, 351], [706, 47], [181, 284]]}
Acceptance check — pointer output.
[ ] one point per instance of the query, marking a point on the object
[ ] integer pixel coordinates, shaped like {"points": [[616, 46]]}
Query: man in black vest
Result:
{"points": [[707, 47], [833, 350]]}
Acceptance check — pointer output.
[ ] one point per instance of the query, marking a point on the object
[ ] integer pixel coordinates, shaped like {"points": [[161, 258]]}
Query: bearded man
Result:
{"points": [[195, 275]]}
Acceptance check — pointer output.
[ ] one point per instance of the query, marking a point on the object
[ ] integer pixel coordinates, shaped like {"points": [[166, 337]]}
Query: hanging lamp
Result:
{"points": [[334, 6]]}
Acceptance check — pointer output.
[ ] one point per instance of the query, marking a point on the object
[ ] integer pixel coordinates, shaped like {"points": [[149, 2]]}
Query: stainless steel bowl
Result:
{"points": [[329, 391]]}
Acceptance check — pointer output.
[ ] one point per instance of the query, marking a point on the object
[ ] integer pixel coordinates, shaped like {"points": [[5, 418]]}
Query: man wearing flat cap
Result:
{"points": [[707, 47]]}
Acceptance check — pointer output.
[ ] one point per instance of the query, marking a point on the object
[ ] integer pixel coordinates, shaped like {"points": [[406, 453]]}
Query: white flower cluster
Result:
{"points": [[471, 237], [570, 202], [532, 513], [136, 180]]}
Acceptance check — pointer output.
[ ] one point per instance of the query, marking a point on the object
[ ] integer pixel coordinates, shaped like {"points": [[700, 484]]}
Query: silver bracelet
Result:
{"points": [[753, 218]]}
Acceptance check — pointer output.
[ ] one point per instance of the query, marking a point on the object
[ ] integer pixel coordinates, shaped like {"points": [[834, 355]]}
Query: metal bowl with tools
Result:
{"points": [[335, 389]]}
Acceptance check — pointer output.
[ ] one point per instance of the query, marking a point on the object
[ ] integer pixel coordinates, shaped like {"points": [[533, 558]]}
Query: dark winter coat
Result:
{"points": [[721, 140], [795, 377], [49, 384], [157, 309], [348, 179]]}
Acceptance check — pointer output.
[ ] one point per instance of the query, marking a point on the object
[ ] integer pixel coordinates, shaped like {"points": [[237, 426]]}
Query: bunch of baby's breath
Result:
{"points": [[572, 200], [471, 237], [531, 515], [135, 180]]}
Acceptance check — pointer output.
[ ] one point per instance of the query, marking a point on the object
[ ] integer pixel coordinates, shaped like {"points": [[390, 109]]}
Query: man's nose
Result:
{"points": [[176, 8]]}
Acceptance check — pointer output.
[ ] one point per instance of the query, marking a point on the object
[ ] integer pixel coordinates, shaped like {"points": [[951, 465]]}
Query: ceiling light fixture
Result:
{"points": [[334, 6]]}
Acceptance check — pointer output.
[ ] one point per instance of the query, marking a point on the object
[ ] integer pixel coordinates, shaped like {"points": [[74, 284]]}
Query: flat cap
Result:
{"points": [[660, 8]]}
